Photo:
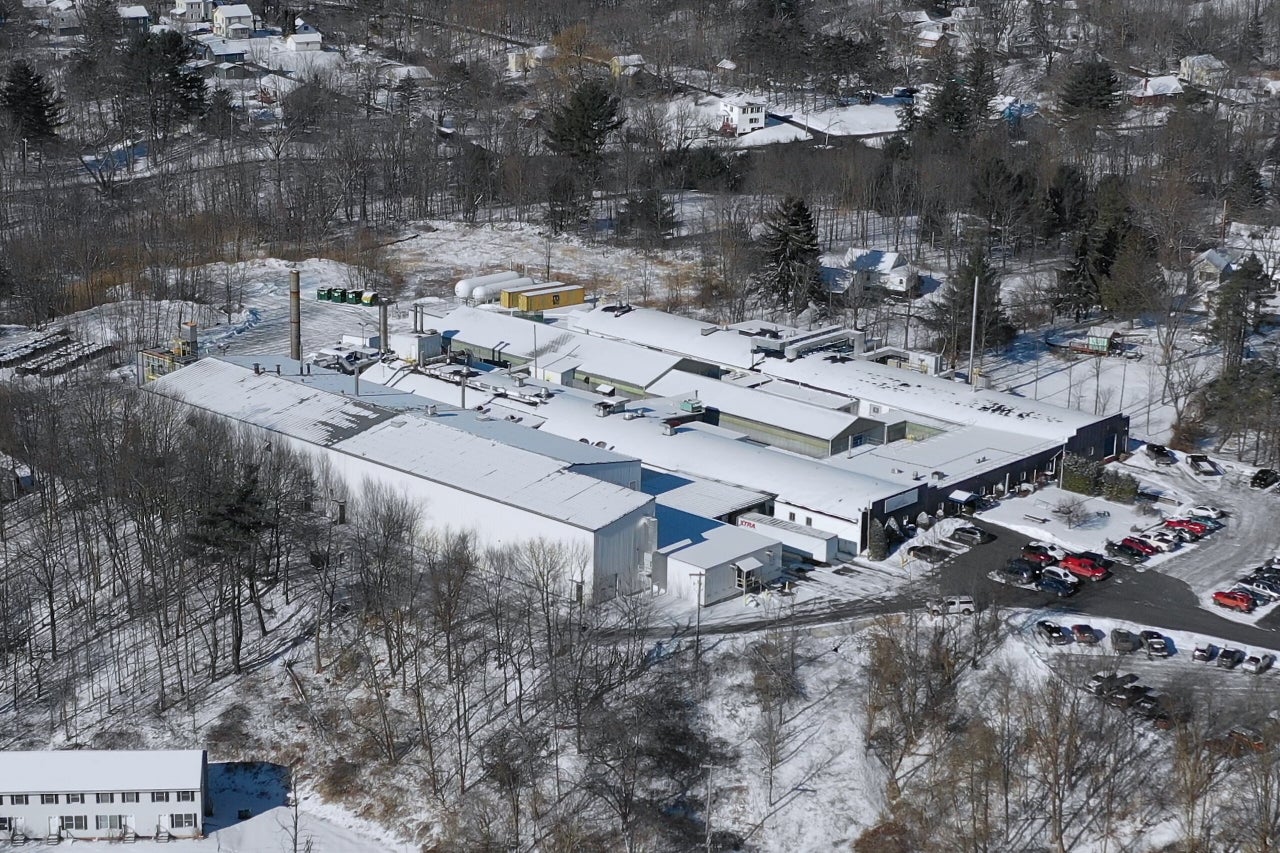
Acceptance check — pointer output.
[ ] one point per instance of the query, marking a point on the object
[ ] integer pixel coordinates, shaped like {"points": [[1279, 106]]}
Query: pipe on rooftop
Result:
{"points": [[295, 316]]}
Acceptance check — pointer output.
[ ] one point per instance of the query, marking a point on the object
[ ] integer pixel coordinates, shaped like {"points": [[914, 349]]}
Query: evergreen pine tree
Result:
{"points": [[949, 317], [33, 107], [793, 273], [1236, 305], [877, 541], [980, 84], [647, 217], [580, 128], [1090, 88], [1246, 191]]}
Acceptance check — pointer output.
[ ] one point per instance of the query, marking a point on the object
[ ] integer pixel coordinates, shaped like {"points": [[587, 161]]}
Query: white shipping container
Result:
{"points": [[819, 545]]}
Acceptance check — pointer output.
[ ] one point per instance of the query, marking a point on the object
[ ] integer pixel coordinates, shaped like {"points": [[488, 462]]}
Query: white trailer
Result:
{"points": [[817, 545]]}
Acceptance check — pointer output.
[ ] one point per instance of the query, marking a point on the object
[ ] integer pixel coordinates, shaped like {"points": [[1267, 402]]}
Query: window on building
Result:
{"points": [[129, 797], [808, 521], [106, 798], [5, 824], [791, 516], [75, 798], [75, 821], [159, 796], [48, 799], [111, 821], [182, 821], [18, 800], [186, 796]]}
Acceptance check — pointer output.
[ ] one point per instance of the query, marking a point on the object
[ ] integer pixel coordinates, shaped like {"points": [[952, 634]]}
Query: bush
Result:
{"points": [[1118, 487], [1080, 475]]}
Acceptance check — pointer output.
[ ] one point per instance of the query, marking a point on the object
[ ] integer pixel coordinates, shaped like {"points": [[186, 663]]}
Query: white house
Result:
{"points": [[627, 65], [103, 794], [191, 11], [305, 41], [1204, 70], [878, 269], [1212, 267], [233, 21], [741, 114]]}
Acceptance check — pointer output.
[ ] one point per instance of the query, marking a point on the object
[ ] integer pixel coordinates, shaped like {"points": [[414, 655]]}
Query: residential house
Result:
{"points": [[1204, 70], [1155, 91], [932, 43], [726, 67], [965, 21], [877, 269], [64, 18], [907, 19], [529, 58], [741, 114], [191, 11], [103, 794], [235, 71], [626, 66], [1213, 267], [233, 22], [305, 38], [216, 49], [134, 20]]}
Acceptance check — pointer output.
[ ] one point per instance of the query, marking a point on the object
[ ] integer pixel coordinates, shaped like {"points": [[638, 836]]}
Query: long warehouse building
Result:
{"points": [[504, 481]]}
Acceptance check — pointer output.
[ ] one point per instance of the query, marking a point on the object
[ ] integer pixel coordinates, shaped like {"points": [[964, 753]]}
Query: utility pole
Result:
{"points": [[708, 768], [697, 623], [973, 329]]}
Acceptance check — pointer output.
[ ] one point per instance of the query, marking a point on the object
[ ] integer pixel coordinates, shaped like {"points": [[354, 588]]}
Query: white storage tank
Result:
{"points": [[492, 290], [463, 288]]}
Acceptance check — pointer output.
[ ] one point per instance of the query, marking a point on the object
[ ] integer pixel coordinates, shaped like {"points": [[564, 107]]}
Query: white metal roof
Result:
{"points": [[239, 10], [133, 12], [867, 381], [698, 495], [760, 406], [700, 449], [556, 346], [496, 459], [92, 770], [703, 542], [877, 260]]}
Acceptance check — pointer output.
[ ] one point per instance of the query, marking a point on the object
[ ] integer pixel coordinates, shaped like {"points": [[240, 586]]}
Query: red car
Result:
{"points": [[1234, 601], [1037, 555], [1137, 544], [1083, 567], [1188, 524]]}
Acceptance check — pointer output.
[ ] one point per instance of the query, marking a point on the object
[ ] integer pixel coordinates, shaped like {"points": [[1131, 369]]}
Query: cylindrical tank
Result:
{"points": [[464, 287], [489, 292]]}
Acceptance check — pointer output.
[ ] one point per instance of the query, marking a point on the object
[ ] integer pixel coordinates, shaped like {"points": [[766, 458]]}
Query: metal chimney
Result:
{"points": [[295, 315], [383, 342]]}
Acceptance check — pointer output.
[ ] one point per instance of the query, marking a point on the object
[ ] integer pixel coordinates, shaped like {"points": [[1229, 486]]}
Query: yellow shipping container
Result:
{"points": [[510, 297], [558, 297]]}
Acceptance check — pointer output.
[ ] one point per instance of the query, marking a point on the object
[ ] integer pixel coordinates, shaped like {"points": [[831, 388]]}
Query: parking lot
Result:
{"points": [[1143, 598]]}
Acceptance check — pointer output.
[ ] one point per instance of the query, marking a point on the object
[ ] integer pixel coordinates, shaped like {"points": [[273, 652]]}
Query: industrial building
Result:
{"points": [[467, 470], [116, 795], [705, 561]]}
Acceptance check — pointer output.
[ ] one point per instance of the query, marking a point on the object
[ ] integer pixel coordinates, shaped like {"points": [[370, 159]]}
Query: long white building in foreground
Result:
{"points": [[466, 470]]}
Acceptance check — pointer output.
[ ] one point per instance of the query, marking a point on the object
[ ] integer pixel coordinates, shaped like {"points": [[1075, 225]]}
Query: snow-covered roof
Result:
{"points": [[1204, 62], [742, 101], [94, 770], [660, 330], [1154, 87], [907, 390], [133, 12], [1218, 260], [703, 542], [493, 458], [541, 51], [629, 60], [727, 65], [557, 348], [239, 10], [873, 260], [698, 495], [931, 36], [914, 16], [760, 406], [401, 72], [696, 448], [305, 38]]}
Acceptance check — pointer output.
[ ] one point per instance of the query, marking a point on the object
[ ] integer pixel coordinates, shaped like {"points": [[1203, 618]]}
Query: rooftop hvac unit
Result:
{"points": [[693, 406]]}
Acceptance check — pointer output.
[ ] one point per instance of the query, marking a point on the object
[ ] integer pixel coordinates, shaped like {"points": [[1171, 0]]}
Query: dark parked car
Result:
{"points": [[1056, 587], [1052, 633], [1230, 658], [1125, 552], [1124, 642], [1103, 683], [1021, 570], [1155, 644], [1265, 478], [928, 553], [1124, 697], [1161, 455], [971, 535]]}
